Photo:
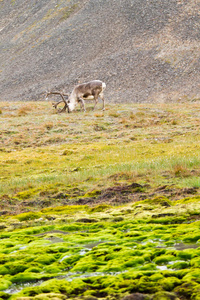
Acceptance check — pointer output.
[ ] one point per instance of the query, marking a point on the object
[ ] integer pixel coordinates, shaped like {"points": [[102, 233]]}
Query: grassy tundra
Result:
{"points": [[106, 200], [151, 144]]}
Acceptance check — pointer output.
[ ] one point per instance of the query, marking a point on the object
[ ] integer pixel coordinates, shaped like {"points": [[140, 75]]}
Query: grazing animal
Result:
{"points": [[88, 90]]}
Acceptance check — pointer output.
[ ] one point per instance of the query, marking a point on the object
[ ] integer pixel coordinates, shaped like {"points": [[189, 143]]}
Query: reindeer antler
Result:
{"points": [[63, 100]]}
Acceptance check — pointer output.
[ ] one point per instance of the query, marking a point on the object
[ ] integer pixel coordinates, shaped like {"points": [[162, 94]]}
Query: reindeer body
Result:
{"points": [[88, 90]]}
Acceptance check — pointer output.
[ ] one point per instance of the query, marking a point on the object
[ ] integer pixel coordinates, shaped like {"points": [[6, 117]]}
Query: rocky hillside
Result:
{"points": [[143, 49]]}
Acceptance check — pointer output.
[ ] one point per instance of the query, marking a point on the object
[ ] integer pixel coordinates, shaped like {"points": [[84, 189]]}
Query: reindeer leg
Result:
{"points": [[96, 101], [82, 103], [103, 100]]}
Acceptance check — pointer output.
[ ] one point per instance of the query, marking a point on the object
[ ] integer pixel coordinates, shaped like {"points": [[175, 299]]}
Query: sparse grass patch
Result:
{"points": [[133, 116], [122, 176], [181, 171], [124, 121], [140, 113], [23, 110], [48, 125], [174, 122], [99, 115], [114, 114], [68, 152], [191, 181]]}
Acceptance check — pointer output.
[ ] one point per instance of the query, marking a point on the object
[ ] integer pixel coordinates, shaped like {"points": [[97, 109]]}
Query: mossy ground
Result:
{"points": [[100, 205], [84, 251]]}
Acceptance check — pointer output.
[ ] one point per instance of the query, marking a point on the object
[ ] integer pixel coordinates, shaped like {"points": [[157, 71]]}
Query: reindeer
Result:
{"points": [[85, 91], [88, 90]]}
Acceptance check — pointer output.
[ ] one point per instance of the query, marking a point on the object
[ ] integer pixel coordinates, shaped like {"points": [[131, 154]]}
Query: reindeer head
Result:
{"points": [[71, 106], [71, 103]]}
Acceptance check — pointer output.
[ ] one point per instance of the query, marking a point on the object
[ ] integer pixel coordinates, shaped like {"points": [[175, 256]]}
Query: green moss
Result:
{"points": [[4, 284], [133, 233], [71, 227], [134, 262], [28, 216], [27, 277], [144, 285], [70, 209], [168, 220], [26, 194], [148, 267], [118, 219], [193, 275], [192, 238], [71, 260], [195, 262], [86, 265], [189, 200], [180, 265], [185, 254], [3, 270], [46, 259], [56, 248], [4, 296], [93, 193], [47, 296], [8, 244], [34, 270], [159, 200], [15, 267], [100, 208], [163, 259], [53, 269], [156, 277], [170, 283]]}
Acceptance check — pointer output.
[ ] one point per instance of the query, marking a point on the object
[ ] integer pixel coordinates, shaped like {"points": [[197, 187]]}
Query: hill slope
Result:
{"points": [[143, 50]]}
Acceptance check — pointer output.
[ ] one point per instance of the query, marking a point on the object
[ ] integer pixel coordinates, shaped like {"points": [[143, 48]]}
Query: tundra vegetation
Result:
{"points": [[100, 204]]}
